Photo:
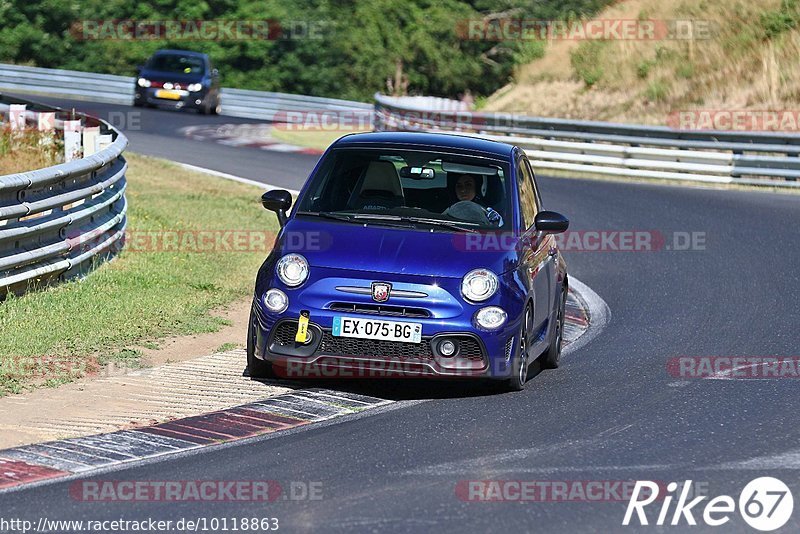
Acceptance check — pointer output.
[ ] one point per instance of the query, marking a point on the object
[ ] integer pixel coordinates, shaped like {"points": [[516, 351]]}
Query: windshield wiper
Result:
{"points": [[376, 217], [328, 215], [438, 222], [357, 217]]}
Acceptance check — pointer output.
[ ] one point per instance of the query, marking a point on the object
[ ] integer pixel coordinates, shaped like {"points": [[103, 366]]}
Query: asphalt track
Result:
{"points": [[612, 412]]}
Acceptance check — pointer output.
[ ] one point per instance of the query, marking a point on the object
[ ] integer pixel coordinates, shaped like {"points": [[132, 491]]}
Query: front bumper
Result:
{"points": [[480, 354], [186, 99]]}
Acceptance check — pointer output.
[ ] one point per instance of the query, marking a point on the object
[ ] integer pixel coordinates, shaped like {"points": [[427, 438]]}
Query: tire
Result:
{"points": [[256, 368], [552, 356], [521, 362], [138, 104]]}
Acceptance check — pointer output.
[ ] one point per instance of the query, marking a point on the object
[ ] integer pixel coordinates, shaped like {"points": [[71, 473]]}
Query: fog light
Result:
{"points": [[276, 300], [447, 348], [490, 318], [198, 101]]}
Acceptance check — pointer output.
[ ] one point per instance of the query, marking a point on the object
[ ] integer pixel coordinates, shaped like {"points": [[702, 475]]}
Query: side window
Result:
{"points": [[527, 194]]}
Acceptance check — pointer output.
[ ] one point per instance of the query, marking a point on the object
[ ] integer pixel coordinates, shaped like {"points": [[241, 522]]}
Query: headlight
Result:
{"points": [[479, 285], [276, 300], [143, 82], [292, 269], [490, 318], [194, 87]]}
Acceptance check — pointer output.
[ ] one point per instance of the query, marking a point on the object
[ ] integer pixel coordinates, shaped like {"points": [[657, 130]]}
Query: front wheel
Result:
{"points": [[519, 367], [256, 367], [552, 357]]}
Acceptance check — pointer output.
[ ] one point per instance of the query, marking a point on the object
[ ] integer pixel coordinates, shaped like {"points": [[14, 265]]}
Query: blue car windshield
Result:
{"points": [[176, 64], [455, 189]]}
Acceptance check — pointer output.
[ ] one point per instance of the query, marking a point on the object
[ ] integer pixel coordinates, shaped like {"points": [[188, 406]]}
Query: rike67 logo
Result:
{"points": [[765, 504]]}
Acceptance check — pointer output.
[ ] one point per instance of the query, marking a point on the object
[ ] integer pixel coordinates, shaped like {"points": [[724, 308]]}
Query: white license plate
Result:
{"points": [[377, 329]]}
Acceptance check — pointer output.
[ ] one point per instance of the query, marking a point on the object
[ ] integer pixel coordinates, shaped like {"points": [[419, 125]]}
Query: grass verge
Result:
{"points": [[152, 290]]}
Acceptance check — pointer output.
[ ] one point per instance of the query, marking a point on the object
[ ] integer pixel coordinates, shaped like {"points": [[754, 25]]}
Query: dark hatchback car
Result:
{"points": [[426, 254], [178, 79]]}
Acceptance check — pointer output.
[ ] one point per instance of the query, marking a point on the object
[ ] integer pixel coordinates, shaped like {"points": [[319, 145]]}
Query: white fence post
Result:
{"points": [[46, 124], [16, 116], [90, 135], [103, 141], [72, 140], [46, 121]]}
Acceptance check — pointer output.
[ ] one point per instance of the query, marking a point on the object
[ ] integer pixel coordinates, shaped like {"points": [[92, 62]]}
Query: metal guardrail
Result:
{"points": [[60, 221], [119, 90], [602, 148]]}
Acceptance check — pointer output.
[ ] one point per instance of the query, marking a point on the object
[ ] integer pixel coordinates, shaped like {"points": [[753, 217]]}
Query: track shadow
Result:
{"points": [[404, 389]]}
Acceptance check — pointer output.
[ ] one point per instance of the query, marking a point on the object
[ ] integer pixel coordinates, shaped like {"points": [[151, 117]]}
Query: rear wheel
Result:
{"points": [[256, 367], [552, 357], [519, 368]]}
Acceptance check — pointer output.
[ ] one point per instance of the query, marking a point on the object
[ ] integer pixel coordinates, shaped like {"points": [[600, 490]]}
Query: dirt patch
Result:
{"points": [[182, 348]]}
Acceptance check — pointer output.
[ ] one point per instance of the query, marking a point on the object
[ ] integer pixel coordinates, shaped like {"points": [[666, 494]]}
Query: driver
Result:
{"points": [[466, 189]]}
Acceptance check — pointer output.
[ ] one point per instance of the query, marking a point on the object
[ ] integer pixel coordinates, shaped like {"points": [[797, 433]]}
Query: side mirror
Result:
{"points": [[279, 201], [551, 222], [214, 73]]}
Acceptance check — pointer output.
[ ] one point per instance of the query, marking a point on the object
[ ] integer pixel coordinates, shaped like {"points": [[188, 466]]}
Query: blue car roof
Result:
{"points": [[430, 140]]}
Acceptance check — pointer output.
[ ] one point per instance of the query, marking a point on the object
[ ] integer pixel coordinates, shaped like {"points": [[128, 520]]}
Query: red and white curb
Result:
{"points": [[62, 458], [243, 135]]}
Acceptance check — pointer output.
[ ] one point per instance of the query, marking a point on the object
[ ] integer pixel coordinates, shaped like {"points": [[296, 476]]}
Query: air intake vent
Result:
{"points": [[379, 309]]}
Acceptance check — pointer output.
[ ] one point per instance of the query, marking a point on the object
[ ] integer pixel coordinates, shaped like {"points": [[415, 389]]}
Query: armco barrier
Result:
{"points": [[119, 90], [611, 149], [58, 222]]}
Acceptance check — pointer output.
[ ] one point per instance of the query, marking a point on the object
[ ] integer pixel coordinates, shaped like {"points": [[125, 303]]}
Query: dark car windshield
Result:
{"points": [[176, 63], [411, 186]]}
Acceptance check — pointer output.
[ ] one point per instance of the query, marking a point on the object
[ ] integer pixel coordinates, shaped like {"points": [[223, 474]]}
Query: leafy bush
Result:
{"points": [[775, 22], [585, 60], [643, 69], [657, 91]]}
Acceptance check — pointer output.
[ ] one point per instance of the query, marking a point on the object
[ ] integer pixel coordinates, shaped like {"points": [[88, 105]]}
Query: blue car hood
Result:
{"points": [[387, 249]]}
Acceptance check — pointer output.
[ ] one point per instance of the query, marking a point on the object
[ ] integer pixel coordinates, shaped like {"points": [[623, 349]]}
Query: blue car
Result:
{"points": [[178, 79], [411, 254]]}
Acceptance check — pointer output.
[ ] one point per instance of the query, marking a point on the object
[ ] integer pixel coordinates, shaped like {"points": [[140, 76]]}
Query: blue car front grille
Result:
{"points": [[374, 348], [379, 309]]}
